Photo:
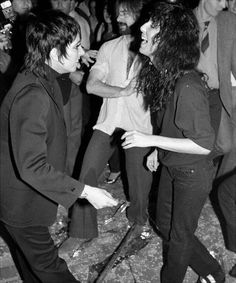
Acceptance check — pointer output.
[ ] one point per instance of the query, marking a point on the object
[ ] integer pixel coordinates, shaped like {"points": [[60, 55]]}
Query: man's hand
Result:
{"points": [[152, 161], [89, 57], [135, 139], [99, 198], [76, 77]]}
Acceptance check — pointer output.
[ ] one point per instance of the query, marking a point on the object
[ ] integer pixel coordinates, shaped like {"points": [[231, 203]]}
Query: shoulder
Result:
{"points": [[114, 43], [191, 85], [226, 16], [80, 19], [191, 79], [227, 22], [27, 84]]}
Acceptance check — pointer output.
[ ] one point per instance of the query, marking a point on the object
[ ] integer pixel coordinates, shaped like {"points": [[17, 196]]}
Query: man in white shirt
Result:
{"points": [[112, 78]]}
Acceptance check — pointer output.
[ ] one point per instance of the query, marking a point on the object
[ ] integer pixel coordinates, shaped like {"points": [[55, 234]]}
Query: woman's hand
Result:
{"points": [[152, 161], [135, 139]]}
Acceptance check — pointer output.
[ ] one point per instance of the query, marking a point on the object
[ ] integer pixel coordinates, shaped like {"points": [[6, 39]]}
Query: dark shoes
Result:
{"points": [[113, 177], [217, 277], [143, 231], [233, 271]]}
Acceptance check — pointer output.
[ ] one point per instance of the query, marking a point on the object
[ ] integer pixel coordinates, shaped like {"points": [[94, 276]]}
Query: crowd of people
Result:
{"points": [[150, 82]]}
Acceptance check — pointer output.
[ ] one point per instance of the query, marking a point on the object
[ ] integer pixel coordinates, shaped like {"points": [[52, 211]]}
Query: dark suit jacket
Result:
{"points": [[226, 48], [33, 149]]}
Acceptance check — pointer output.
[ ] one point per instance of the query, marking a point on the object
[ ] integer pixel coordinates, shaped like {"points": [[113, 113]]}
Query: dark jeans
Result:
{"points": [[227, 200], [37, 257], [100, 149], [182, 194]]}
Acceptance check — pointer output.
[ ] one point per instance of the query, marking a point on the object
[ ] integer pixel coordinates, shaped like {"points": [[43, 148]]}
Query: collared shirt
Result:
{"points": [[187, 116], [233, 80], [208, 61], [123, 112]]}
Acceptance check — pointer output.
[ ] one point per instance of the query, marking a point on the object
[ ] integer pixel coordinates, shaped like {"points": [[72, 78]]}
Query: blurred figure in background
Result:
{"points": [[93, 9], [232, 6], [13, 44], [107, 29]]}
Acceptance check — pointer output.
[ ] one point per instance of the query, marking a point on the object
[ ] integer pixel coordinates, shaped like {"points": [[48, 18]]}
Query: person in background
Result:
{"points": [[169, 80], [122, 109], [108, 30], [73, 103], [232, 6], [227, 177], [33, 149], [84, 6], [22, 7], [12, 43], [93, 14], [218, 60]]}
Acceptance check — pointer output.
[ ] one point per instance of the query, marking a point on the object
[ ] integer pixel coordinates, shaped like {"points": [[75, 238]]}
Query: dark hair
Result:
{"points": [[133, 6], [176, 53], [51, 29]]}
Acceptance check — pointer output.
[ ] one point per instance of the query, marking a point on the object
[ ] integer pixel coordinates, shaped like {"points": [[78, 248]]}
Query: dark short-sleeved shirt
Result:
{"points": [[187, 115]]}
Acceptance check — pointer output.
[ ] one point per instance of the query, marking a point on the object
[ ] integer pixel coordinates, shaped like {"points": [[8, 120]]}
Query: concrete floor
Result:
{"points": [[143, 266]]}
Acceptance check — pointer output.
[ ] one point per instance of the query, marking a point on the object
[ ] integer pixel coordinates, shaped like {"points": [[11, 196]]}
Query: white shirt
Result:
{"points": [[208, 61], [123, 112], [233, 80]]}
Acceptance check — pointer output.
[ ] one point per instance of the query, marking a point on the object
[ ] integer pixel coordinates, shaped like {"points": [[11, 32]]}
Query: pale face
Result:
{"points": [[125, 19], [62, 5], [21, 6], [213, 7], [106, 16], [148, 46], [70, 63], [232, 6]]}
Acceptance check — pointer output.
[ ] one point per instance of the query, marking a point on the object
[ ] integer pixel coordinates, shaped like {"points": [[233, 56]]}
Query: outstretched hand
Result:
{"points": [[99, 198], [135, 139]]}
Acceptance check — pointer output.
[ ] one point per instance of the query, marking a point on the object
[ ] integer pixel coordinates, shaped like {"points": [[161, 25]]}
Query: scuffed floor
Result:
{"points": [[142, 267]]}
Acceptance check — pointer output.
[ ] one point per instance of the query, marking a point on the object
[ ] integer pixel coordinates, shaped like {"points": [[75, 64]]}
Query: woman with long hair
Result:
{"points": [[171, 85]]}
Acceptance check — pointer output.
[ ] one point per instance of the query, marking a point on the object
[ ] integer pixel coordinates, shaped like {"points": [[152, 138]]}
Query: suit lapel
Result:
{"points": [[53, 90]]}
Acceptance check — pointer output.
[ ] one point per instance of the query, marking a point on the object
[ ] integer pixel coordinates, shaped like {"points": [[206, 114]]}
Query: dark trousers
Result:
{"points": [[37, 257], [115, 161], [182, 194], [227, 200], [100, 149]]}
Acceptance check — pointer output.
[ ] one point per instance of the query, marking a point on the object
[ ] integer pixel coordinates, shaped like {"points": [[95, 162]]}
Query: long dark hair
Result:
{"points": [[51, 29], [177, 52]]}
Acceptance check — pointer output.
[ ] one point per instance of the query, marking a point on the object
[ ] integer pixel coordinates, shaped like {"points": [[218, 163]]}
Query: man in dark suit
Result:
{"points": [[218, 61], [33, 149]]}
